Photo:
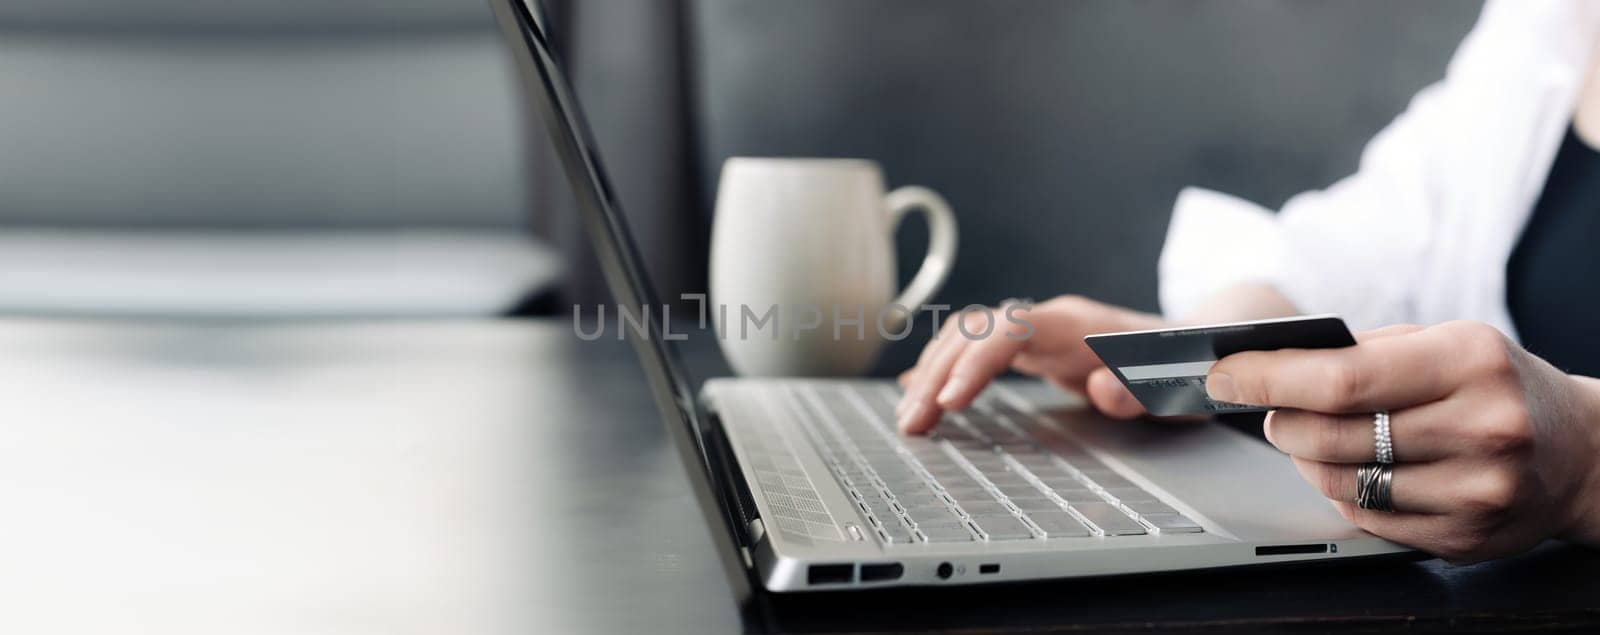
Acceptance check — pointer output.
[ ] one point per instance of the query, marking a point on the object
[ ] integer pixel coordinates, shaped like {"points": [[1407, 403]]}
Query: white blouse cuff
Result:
{"points": [[1216, 241]]}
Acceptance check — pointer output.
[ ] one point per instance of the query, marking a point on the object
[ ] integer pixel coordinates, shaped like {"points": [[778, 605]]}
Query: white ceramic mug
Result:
{"points": [[812, 240]]}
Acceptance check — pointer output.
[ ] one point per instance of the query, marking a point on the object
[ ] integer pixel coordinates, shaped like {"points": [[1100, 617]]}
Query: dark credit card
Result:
{"points": [[1166, 369]]}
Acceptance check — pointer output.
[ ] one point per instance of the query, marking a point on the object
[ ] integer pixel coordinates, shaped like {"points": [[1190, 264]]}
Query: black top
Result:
{"points": [[1553, 278]]}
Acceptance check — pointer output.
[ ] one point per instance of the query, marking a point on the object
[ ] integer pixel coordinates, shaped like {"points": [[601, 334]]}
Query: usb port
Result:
{"points": [[830, 573], [882, 572]]}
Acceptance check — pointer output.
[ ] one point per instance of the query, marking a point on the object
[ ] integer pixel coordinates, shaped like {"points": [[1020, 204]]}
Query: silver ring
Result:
{"points": [[1382, 441], [1375, 487]]}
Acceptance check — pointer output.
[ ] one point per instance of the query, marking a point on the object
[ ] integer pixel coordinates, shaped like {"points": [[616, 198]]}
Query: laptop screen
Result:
{"points": [[601, 213], [547, 89]]}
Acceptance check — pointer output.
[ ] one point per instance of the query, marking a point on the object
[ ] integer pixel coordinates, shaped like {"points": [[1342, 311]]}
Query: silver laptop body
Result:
{"points": [[807, 486]]}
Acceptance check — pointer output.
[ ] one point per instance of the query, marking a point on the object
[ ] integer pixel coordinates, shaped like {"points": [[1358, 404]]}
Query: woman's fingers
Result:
{"points": [[917, 411], [932, 348], [1110, 397], [989, 353], [1386, 331], [1380, 373], [1425, 488], [1428, 532], [1047, 340], [912, 378], [1420, 433]]}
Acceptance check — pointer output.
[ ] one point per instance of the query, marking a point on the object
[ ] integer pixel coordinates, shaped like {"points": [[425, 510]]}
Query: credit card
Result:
{"points": [[1166, 369]]}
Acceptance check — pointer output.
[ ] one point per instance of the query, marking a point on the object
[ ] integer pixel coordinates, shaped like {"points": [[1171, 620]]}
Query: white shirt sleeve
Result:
{"points": [[1357, 248]]}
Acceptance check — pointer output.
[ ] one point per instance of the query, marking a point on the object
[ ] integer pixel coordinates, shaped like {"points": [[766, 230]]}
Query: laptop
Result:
{"points": [[808, 487]]}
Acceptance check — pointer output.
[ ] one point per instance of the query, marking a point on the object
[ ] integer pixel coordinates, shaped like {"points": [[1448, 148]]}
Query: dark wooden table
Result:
{"points": [[505, 477]]}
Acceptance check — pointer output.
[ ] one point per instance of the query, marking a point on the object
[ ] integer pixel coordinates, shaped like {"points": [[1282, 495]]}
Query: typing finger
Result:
{"points": [[918, 412], [910, 379], [981, 360]]}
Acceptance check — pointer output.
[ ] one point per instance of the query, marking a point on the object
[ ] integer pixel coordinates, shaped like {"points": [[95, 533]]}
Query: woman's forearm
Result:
{"points": [[1247, 301]]}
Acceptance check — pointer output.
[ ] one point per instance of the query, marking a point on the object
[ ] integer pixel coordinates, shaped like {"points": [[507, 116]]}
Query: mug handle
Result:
{"points": [[941, 247]]}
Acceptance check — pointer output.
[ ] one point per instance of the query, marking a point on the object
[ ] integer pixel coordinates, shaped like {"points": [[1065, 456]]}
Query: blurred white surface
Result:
{"points": [[349, 274], [289, 479], [477, 477]]}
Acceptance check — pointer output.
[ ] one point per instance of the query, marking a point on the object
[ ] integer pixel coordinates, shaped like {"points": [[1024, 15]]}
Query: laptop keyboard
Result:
{"points": [[983, 475]]}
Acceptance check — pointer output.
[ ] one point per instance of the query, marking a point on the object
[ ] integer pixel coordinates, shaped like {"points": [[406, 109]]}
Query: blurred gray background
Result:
{"points": [[1059, 131], [1062, 131]]}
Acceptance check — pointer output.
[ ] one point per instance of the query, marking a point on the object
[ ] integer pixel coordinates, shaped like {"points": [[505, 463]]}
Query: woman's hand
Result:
{"points": [[1495, 449], [955, 367]]}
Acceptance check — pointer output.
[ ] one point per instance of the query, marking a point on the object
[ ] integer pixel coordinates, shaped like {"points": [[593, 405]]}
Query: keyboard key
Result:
{"points": [[883, 511], [933, 516], [896, 474], [1034, 458], [871, 496], [892, 467], [949, 471], [1039, 504], [931, 451], [920, 501], [969, 494], [993, 468], [1130, 494], [1059, 525], [946, 533], [1052, 471], [908, 485], [1078, 496], [1084, 463], [953, 433], [1111, 481], [926, 487], [1062, 482], [947, 484], [915, 443], [895, 533], [973, 447], [965, 483], [1003, 435], [1110, 519], [1017, 447], [1013, 468], [976, 508], [1002, 527], [1173, 524], [1149, 507], [1024, 490], [988, 465], [1036, 454], [1004, 480]]}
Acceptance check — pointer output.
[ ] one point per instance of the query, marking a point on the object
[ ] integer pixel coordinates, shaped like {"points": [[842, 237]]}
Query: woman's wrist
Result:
{"points": [[1585, 526]]}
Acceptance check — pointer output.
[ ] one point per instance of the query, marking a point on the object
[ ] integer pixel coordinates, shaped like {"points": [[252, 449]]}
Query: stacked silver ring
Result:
{"points": [[1374, 487], [1382, 442]]}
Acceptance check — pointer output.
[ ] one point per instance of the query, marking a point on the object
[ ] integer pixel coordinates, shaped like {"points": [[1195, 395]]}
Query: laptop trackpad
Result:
{"points": [[1244, 487]]}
